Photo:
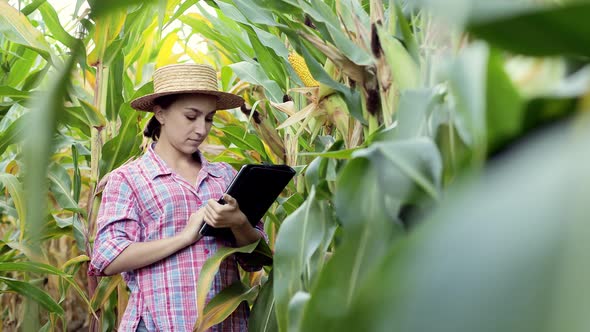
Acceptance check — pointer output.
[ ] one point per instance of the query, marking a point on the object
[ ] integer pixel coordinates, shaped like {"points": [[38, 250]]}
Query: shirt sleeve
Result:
{"points": [[117, 223]]}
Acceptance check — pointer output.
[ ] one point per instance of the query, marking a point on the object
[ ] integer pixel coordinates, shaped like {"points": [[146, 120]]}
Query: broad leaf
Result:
{"points": [[32, 267], [14, 133], [263, 317], [38, 147], [255, 13], [104, 290], [51, 20], [243, 140], [104, 7], [367, 232], [207, 275], [504, 109], [225, 302], [321, 12], [406, 165], [123, 146], [543, 31], [15, 189], [61, 187], [300, 235], [34, 293], [514, 233], [14, 94], [17, 28], [467, 79], [45, 269], [253, 73]]}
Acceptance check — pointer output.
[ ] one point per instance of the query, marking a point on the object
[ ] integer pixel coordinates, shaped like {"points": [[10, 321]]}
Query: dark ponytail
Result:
{"points": [[152, 130]]}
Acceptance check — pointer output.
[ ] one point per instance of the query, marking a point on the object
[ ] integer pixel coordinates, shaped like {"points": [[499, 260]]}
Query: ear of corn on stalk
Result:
{"points": [[301, 69]]}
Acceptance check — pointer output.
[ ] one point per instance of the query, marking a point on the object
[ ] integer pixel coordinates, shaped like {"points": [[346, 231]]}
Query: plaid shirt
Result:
{"points": [[145, 201]]}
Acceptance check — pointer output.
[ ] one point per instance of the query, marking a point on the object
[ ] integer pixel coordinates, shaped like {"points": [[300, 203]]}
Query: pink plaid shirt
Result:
{"points": [[145, 201]]}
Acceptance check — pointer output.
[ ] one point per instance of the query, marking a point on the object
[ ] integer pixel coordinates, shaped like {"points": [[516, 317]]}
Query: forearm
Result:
{"points": [[245, 234], [140, 254]]}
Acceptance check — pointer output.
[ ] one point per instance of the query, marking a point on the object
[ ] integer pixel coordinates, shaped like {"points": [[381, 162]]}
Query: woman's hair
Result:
{"points": [[152, 130]]}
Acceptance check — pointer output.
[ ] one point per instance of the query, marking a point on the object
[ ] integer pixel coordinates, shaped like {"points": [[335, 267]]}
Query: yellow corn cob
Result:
{"points": [[301, 69]]}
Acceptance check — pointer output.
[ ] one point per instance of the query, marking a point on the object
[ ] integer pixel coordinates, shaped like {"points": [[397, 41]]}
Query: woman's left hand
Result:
{"points": [[225, 215]]}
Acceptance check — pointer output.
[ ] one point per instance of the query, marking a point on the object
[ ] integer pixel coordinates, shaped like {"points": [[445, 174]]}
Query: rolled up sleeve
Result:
{"points": [[117, 223]]}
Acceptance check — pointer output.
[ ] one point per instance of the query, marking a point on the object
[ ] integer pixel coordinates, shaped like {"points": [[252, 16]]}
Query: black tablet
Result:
{"points": [[255, 187]]}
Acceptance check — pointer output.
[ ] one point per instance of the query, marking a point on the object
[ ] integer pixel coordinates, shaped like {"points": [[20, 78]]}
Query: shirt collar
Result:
{"points": [[155, 166], [208, 167]]}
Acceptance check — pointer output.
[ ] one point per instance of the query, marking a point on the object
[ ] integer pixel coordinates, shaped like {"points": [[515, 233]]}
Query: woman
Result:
{"points": [[152, 208]]}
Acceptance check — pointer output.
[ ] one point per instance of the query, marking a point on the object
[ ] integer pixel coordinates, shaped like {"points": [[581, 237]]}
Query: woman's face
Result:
{"points": [[187, 121]]}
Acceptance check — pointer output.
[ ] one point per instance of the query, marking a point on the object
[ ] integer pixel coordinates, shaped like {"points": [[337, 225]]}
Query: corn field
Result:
{"points": [[441, 150]]}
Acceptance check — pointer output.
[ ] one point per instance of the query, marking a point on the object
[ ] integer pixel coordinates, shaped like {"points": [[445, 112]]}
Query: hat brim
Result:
{"points": [[224, 100]]}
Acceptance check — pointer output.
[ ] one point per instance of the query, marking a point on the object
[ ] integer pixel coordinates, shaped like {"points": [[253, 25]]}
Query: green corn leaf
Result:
{"points": [[367, 231], [15, 189], [104, 7], [299, 237], [253, 73], [123, 146], [34, 293], [409, 38], [7, 91], [255, 13], [540, 222], [60, 185], [540, 31], [20, 70], [103, 291], [45, 269], [14, 133], [38, 147], [208, 272], [75, 261], [32, 7], [17, 28], [263, 317], [224, 303], [32, 267], [184, 6], [51, 20], [321, 12], [404, 165], [404, 69], [244, 140]]}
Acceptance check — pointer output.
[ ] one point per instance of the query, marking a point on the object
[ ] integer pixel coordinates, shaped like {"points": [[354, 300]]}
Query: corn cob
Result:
{"points": [[301, 69]]}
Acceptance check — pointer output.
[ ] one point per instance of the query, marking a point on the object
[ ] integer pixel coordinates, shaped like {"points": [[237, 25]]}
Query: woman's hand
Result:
{"points": [[190, 233], [225, 215], [229, 215]]}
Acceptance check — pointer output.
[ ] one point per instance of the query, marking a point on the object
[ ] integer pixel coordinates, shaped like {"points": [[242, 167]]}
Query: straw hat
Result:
{"points": [[186, 78]]}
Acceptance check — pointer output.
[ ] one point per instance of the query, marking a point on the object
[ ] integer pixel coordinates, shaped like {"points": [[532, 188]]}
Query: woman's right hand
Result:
{"points": [[190, 233]]}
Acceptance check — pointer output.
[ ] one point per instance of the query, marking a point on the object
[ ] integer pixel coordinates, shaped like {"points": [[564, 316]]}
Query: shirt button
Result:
{"points": [[206, 251]]}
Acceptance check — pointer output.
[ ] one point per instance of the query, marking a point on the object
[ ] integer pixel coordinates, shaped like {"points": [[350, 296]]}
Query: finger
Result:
{"points": [[212, 218], [230, 200], [212, 205], [208, 218]]}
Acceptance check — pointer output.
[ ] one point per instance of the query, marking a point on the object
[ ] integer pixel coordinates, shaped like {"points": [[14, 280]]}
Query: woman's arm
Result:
{"points": [[140, 254]]}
